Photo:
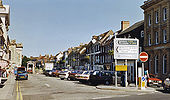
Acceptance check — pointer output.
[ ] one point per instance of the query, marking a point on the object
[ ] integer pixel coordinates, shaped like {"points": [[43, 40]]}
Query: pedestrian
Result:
{"points": [[122, 79]]}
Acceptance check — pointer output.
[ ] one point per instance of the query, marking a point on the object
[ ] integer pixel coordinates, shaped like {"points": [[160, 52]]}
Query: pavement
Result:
{"points": [[6, 91], [127, 89]]}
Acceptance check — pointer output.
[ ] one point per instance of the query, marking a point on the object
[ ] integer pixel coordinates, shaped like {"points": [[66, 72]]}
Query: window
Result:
{"points": [[156, 64], [164, 64], [142, 33], [164, 14], [149, 40], [156, 37], [164, 36], [149, 20], [156, 17]]}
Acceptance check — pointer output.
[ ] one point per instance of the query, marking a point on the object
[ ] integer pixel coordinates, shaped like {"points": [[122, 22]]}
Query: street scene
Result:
{"points": [[77, 50]]}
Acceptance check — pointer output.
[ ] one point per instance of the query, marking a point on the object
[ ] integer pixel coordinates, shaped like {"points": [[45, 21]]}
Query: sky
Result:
{"points": [[51, 26]]}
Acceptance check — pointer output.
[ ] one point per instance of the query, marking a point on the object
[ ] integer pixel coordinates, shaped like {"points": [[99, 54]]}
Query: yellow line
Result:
{"points": [[17, 98], [20, 94]]}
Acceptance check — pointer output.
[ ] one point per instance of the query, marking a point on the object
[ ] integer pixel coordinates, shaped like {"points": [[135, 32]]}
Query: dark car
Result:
{"points": [[21, 74], [47, 72], [72, 75], [101, 77]]}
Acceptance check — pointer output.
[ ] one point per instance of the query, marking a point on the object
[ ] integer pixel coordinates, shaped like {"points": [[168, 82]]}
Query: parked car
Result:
{"points": [[84, 77], [101, 77], [166, 84], [47, 72], [55, 73], [153, 81], [64, 75], [21, 73], [72, 75]]}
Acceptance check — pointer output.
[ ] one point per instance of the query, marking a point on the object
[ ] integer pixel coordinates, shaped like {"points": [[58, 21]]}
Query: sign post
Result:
{"points": [[125, 48], [143, 57]]}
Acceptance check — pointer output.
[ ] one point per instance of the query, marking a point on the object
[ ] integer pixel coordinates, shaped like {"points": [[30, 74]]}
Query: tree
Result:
{"points": [[25, 60]]}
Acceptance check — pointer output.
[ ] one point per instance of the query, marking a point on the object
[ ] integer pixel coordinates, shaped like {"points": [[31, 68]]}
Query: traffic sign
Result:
{"points": [[126, 48], [143, 56], [121, 67]]}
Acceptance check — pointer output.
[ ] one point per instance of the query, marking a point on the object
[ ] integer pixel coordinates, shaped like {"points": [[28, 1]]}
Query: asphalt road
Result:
{"points": [[40, 87]]}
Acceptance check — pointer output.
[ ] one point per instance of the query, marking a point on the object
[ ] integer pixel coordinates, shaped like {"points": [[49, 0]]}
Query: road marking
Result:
{"points": [[17, 98], [47, 85], [19, 94], [141, 94], [110, 97]]}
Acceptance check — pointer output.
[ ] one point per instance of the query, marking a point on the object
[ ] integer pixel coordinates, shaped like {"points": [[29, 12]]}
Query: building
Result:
{"points": [[4, 37], [15, 53], [157, 36], [95, 50]]}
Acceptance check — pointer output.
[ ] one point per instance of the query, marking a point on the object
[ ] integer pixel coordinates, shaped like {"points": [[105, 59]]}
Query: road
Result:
{"points": [[40, 87]]}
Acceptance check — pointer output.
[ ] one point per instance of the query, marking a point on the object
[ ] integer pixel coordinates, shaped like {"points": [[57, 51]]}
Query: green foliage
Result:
{"points": [[25, 60]]}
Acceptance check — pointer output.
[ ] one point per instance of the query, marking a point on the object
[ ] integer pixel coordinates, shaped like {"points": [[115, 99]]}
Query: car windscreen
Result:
{"points": [[21, 69], [21, 72], [86, 73]]}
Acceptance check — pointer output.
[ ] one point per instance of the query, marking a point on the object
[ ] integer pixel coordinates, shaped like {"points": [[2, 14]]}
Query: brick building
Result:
{"points": [[157, 36]]}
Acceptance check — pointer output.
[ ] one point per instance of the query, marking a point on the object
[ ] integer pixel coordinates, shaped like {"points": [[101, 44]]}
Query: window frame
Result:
{"points": [[164, 36], [149, 20], [164, 14], [156, 17], [156, 37], [164, 64], [149, 40]]}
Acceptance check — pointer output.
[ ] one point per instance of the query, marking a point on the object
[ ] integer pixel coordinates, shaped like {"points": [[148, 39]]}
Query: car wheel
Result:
{"points": [[62, 78], [107, 82]]}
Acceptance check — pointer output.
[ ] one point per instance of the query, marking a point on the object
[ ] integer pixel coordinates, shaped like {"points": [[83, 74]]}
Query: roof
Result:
{"points": [[134, 26]]}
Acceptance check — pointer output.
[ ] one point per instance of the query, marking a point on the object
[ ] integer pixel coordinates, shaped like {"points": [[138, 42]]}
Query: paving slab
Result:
{"points": [[6, 92]]}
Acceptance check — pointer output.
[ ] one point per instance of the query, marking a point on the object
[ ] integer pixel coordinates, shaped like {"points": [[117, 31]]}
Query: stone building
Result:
{"points": [[15, 53], [157, 36]]}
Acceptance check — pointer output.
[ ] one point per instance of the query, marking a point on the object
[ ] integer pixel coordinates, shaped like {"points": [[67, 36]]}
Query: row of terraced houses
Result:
{"points": [[154, 38]]}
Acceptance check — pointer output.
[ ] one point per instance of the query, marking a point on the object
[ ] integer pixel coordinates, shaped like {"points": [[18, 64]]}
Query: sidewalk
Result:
{"points": [[6, 92], [128, 89]]}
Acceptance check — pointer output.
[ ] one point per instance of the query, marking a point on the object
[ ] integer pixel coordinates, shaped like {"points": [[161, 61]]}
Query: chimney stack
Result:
{"points": [[124, 25]]}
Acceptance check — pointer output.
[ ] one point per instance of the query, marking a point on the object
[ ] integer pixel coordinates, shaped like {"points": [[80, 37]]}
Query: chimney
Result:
{"points": [[124, 25]]}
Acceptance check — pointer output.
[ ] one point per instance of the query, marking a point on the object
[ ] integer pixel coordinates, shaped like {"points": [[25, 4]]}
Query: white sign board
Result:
{"points": [[125, 48], [49, 66]]}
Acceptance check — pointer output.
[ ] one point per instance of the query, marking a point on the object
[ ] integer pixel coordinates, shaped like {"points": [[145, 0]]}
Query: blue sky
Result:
{"points": [[51, 26]]}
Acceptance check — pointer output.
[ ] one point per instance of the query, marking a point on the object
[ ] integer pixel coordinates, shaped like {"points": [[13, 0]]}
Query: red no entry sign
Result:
{"points": [[143, 56]]}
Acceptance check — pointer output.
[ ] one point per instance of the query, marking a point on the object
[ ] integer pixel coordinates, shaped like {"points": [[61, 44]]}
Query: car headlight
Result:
{"points": [[160, 81], [150, 80]]}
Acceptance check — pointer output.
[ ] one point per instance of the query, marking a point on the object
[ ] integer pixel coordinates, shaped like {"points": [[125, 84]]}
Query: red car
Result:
{"points": [[153, 81]]}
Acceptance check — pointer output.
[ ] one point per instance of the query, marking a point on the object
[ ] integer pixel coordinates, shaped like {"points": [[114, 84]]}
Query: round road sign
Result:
{"points": [[143, 56]]}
